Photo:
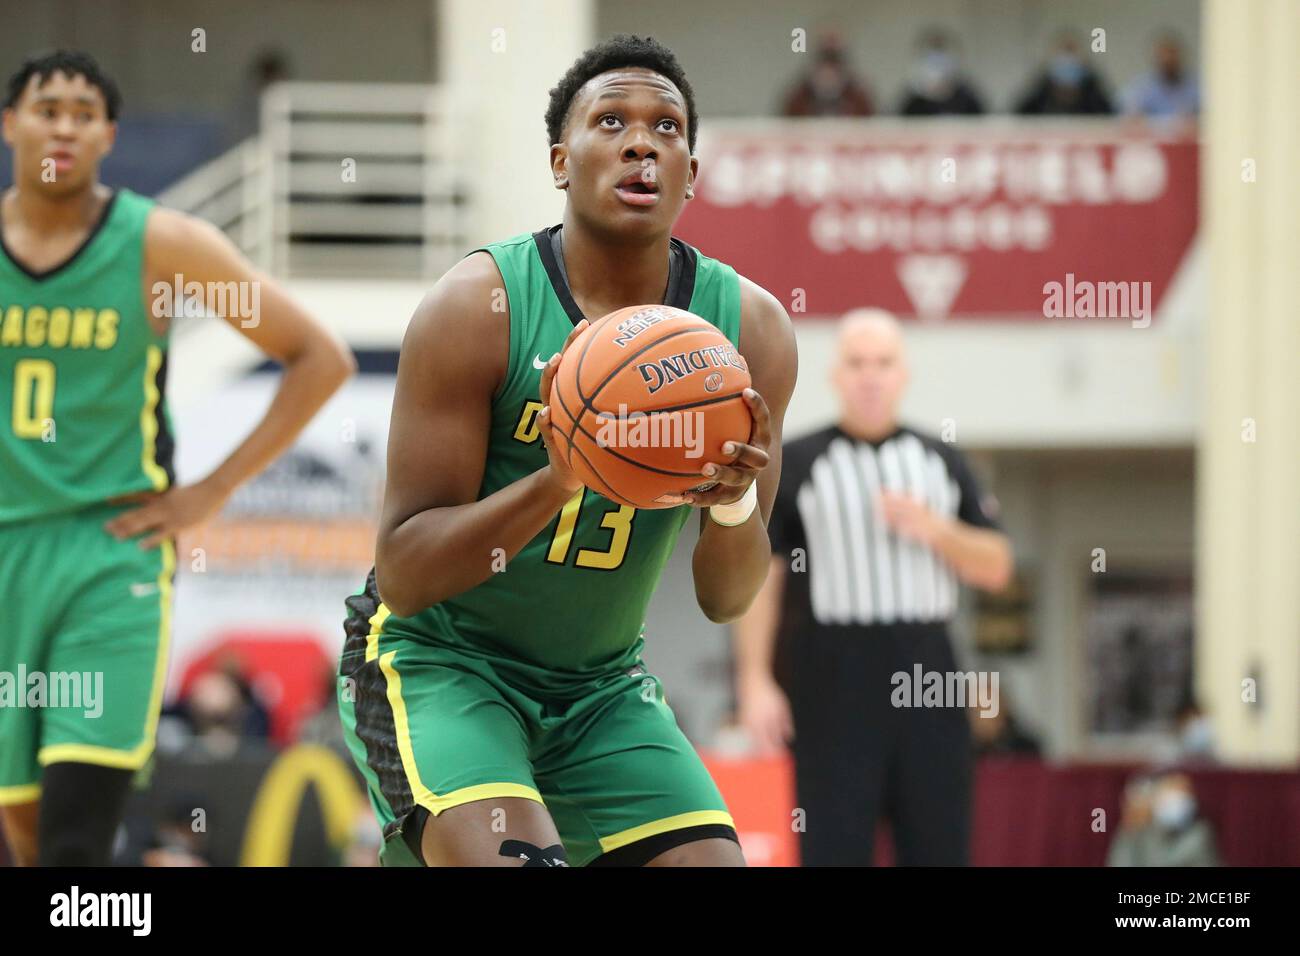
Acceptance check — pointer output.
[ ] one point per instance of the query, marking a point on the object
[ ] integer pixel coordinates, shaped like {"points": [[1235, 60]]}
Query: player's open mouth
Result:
{"points": [[635, 192]]}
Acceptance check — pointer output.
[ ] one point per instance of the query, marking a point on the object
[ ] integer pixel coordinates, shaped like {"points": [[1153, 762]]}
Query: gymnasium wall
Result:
{"points": [[718, 43], [147, 43]]}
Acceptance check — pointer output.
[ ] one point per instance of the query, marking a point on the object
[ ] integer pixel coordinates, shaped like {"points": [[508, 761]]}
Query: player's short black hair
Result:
{"points": [[620, 50], [69, 63]]}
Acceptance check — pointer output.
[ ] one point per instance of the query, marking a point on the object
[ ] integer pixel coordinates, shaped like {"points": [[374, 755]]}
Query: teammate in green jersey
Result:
{"points": [[88, 505], [491, 684]]}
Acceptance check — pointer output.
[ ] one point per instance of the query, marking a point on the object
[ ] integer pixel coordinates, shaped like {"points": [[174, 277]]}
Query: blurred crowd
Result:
{"points": [[1065, 83], [226, 715]]}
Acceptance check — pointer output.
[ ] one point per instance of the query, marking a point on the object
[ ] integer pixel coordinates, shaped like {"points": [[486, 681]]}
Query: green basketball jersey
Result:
{"points": [[573, 601], [82, 372]]}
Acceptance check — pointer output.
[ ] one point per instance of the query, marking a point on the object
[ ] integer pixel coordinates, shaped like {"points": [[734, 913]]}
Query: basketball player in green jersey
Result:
{"points": [[492, 688], [88, 505]]}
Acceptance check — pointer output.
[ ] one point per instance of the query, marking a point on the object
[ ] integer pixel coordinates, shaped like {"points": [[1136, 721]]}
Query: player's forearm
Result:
{"points": [[729, 566], [441, 552], [980, 557], [308, 381], [755, 631]]}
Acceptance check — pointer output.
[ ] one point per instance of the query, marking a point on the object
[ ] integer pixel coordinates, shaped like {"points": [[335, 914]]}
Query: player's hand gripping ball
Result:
{"points": [[644, 399]]}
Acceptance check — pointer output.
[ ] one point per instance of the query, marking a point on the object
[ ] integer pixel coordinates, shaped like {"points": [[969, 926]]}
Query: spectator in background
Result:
{"points": [[938, 86], [1160, 826], [1067, 85], [164, 835], [829, 87], [176, 841], [324, 727], [1170, 91], [1195, 735], [269, 67], [221, 711], [999, 733], [363, 844]]}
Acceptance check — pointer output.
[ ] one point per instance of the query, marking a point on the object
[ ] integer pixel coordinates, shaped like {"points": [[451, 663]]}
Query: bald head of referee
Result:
{"points": [[870, 373], [875, 527]]}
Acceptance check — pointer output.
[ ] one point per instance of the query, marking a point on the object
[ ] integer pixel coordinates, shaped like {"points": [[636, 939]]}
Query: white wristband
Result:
{"points": [[737, 512]]}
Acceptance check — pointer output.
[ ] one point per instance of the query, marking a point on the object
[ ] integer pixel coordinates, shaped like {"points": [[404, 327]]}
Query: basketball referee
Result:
{"points": [[873, 527]]}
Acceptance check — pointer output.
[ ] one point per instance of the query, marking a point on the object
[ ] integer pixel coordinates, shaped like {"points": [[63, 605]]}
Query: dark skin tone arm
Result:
{"points": [[731, 564], [316, 363], [435, 540]]}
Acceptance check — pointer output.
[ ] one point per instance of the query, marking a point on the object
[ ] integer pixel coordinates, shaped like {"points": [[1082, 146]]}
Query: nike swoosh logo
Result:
{"points": [[144, 590], [537, 362]]}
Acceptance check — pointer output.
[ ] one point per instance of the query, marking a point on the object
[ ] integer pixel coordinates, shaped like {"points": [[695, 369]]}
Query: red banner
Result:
{"points": [[940, 220]]}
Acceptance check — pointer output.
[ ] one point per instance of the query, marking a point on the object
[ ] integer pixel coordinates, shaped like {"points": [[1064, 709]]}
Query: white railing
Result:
{"points": [[228, 192], [346, 179]]}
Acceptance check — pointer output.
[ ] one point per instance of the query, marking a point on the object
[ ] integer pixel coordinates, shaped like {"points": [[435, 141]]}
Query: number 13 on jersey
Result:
{"points": [[619, 521]]}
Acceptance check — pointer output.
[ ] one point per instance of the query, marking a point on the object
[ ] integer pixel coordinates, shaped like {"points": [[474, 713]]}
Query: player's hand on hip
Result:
{"points": [[560, 471], [162, 515], [747, 460]]}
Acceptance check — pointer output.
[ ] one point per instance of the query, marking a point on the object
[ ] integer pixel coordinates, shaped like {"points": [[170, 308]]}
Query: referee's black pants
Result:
{"points": [[858, 758]]}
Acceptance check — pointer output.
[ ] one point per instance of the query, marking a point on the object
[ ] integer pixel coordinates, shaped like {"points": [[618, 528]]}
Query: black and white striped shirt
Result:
{"points": [[857, 570]]}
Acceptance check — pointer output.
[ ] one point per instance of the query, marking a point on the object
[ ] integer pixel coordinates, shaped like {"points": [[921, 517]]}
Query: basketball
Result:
{"points": [[643, 399]]}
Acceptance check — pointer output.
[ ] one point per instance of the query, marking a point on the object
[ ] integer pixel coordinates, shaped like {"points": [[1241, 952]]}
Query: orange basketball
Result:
{"points": [[643, 399]]}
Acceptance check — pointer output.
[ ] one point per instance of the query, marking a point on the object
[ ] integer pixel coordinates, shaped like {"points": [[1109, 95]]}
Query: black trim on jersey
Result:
{"points": [[374, 722], [681, 279], [164, 449], [76, 254], [643, 851]]}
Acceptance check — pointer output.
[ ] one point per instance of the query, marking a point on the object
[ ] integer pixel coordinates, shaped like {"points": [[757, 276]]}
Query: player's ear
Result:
{"points": [[110, 138], [8, 125], [560, 165], [690, 179]]}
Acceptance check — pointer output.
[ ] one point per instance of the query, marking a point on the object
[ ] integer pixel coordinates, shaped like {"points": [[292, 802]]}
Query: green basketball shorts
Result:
{"points": [[434, 726], [83, 648]]}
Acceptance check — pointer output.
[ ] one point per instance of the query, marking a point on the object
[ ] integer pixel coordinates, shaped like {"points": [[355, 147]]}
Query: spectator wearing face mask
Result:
{"points": [[1195, 736], [1067, 85], [1160, 826], [1170, 90], [938, 85], [997, 733], [829, 87]]}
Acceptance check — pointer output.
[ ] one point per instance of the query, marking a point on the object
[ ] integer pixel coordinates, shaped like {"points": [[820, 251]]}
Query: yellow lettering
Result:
{"points": [[526, 430], [60, 322], [33, 397], [106, 329], [620, 522], [83, 325], [13, 330], [36, 325]]}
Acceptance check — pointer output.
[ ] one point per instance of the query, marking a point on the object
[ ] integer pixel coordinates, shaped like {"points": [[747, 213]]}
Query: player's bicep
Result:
{"points": [[227, 284], [442, 403]]}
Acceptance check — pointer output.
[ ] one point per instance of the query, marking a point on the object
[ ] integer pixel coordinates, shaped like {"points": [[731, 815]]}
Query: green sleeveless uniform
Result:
{"points": [[531, 683], [82, 420]]}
